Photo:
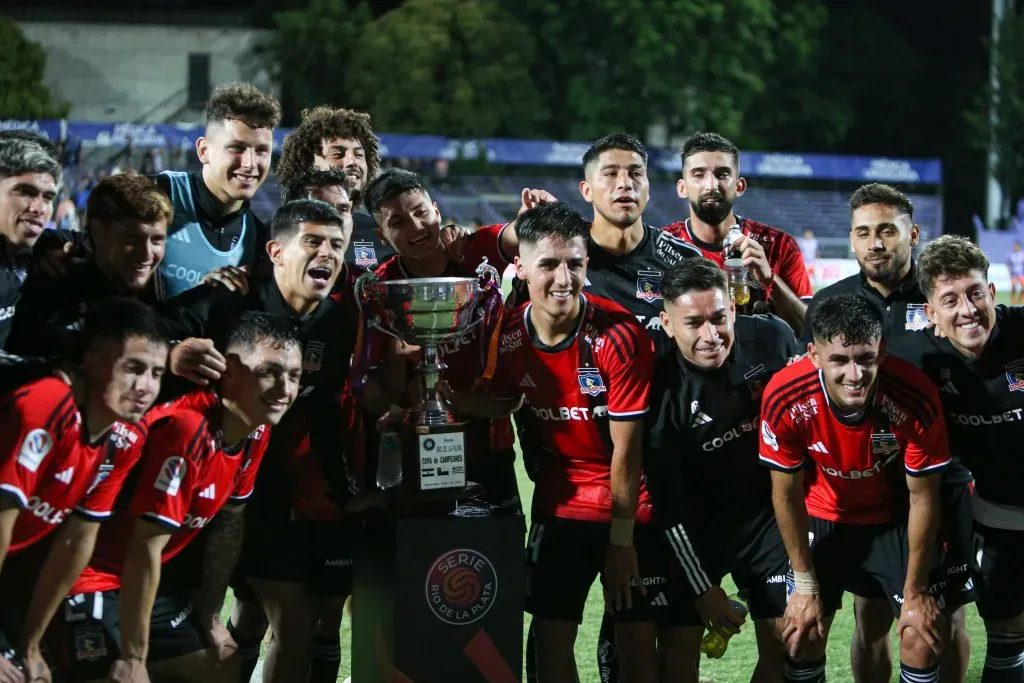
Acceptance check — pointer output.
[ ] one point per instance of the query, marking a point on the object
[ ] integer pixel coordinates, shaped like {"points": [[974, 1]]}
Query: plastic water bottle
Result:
{"points": [[739, 278], [389, 460], [714, 643]]}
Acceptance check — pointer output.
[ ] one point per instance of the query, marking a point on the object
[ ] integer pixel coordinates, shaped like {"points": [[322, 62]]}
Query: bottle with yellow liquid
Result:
{"points": [[739, 277], [715, 644]]}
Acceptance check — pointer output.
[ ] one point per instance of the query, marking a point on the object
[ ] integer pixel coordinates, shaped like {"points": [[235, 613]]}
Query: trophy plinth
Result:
{"points": [[428, 312]]}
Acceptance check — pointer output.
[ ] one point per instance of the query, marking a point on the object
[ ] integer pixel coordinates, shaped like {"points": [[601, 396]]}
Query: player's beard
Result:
{"points": [[712, 214], [889, 275]]}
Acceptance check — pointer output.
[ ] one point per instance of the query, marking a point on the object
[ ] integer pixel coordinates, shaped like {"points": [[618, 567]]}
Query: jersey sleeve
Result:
{"points": [[625, 355], [793, 270], [486, 243], [927, 450], [245, 480], [780, 447], [167, 475], [127, 444], [502, 385], [32, 429]]}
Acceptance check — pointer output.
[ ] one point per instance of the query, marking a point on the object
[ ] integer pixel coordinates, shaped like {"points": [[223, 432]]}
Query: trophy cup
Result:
{"points": [[428, 312]]}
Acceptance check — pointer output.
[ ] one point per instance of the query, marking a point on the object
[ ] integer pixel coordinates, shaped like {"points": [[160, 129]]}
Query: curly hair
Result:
{"points": [[326, 123], [877, 193], [948, 256], [128, 195], [243, 102]]}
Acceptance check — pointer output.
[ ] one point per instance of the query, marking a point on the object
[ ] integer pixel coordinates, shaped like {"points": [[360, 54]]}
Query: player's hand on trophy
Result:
{"points": [[621, 574], [9, 673], [197, 361], [921, 612], [234, 278], [453, 239], [130, 670], [717, 614], [531, 198]]}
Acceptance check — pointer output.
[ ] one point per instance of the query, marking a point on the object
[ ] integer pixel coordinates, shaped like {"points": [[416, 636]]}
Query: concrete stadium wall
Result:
{"points": [[121, 72]]}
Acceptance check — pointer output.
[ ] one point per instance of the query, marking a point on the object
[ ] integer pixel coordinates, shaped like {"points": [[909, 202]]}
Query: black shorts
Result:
{"points": [[863, 556], [997, 567], [753, 553], [564, 556], [85, 637], [951, 575], [317, 554]]}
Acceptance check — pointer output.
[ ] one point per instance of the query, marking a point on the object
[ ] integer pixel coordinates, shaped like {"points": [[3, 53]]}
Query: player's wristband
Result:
{"points": [[768, 289], [621, 531], [805, 582]]}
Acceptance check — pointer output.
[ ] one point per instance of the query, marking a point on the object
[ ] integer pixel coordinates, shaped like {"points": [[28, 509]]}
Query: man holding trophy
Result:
{"points": [[462, 348]]}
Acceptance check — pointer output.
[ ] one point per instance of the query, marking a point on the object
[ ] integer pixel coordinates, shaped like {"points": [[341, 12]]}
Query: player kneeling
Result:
{"points": [[845, 418], [702, 445], [200, 461]]}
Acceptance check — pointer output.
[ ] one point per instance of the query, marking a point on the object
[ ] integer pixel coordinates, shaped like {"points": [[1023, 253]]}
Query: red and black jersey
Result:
{"points": [[781, 249], [856, 476], [466, 357], [185, 476], [601, 372], [46, 462]]}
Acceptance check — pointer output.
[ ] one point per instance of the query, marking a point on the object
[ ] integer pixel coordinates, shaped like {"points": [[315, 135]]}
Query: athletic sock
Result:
{"points": [[248, 652], [607, 657], [326, 659], [805, 672], [531, 656], [909, 674], [1004, 658]]}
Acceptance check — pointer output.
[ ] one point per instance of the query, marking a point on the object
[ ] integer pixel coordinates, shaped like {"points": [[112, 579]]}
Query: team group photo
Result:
{"points": [[288, 398]]}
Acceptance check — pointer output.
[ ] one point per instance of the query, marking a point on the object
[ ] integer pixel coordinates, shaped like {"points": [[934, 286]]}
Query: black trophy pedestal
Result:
{"points": [[439, 599]]}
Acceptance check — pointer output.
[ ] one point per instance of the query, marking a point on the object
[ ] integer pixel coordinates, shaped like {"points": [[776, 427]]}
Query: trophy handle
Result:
{"points": [[488, 274], [359, 290]]}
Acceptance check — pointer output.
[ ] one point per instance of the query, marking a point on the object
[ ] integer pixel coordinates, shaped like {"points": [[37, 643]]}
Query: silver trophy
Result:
{"points": [[429, 312]]}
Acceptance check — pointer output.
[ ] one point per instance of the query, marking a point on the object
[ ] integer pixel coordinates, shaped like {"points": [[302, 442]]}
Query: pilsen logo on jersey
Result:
{"points": [[916, 318], [313, 356], [365, 253], [884, 444], [591, 382], [648, 285], [1015, 375], [755, 379]]}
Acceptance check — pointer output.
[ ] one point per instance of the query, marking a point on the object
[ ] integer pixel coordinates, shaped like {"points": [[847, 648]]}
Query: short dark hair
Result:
{"points": [[31, 136], [708, 142], [550, 220], [948, 256], [692, 275], [299, 186], [19, 156], [243, 102], [287, 219], [622, 141], [849, 316], [878, 193], [120, 318], [254, 327], [390, 184], [128, 195], [326, 123]]}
